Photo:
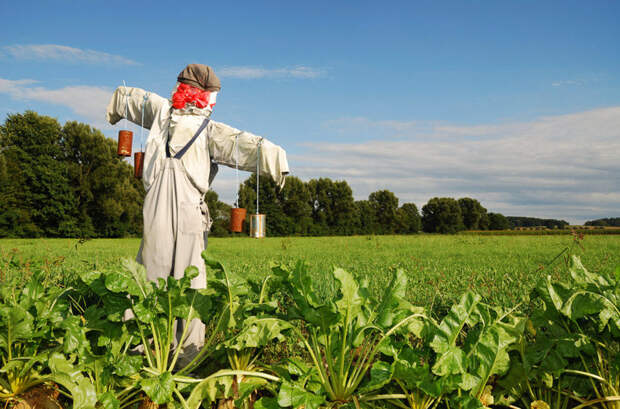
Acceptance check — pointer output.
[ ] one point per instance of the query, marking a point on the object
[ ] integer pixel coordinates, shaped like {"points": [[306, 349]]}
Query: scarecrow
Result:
{"points": [[183, 151]]}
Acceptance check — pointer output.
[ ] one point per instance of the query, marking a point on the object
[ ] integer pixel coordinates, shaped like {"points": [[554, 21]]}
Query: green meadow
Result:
{"points": [[501, 268]]}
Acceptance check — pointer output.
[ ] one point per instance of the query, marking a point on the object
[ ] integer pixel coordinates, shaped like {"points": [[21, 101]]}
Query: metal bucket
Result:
{"points": [[138, 163], [237, 216], [257, 226], [124, 143]]}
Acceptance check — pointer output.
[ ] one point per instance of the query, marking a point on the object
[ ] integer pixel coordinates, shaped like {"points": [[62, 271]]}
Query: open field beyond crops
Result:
{"points": [[501, 268]]}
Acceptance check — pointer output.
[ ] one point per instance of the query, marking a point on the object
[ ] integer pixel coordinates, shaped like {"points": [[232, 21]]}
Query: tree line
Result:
{"points": [[605, 222], [67, 181], [64, 181], [322, 207]]}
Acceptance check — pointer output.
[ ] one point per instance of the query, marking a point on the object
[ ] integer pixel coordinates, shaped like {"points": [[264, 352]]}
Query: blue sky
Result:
{"points": [[514, 103]]}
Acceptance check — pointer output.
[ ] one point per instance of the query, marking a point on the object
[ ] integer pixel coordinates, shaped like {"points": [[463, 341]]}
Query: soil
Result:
{"points": [[39, 397], [149, 404]]}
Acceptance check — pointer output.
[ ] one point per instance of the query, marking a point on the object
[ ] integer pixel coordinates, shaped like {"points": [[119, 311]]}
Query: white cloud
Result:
{"points": [[563, 166], [566, 82], [249, 72], [86, 101], [64, 53]]}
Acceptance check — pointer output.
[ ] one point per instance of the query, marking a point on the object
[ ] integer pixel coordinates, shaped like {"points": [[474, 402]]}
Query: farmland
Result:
{"points": [[408, 319], [440, 268]]}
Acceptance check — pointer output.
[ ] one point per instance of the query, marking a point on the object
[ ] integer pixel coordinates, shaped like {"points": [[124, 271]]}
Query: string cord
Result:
{"points": [[146, 97], [260, 142], [237, 167], [126, 104]]}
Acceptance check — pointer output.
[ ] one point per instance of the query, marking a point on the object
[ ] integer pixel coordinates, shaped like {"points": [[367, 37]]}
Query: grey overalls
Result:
{"points": [[175, 230]]}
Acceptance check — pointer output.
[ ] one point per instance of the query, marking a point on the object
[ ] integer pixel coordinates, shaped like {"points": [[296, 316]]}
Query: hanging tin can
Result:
{"points": [[125, 140], [138, 163], [257, 226], [237, 216]]}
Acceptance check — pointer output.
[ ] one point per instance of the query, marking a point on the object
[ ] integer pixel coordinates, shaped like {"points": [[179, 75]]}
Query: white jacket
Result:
{"points": [[218, 143]]}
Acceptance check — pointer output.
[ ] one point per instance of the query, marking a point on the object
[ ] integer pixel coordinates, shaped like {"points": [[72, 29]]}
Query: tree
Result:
{"points": [[333, 207], [608, 221], [472, 212], [109, 198], [409, 220], [219, 213], [296, 206], [384, 205], [483, 224], [498, 221], [39, 189], [442, 215], [269, 203], [519, 221], [364, 217], [64, 181]]}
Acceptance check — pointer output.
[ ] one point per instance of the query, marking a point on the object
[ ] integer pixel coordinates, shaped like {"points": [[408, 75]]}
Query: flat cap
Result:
{"points": [[200, 76]]}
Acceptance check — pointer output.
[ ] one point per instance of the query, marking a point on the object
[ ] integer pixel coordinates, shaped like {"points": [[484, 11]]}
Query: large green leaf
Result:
{"points": [[258, 332], [267, 403], [450, 362], [380, 375], [16, 324], [75, 335], [447, 332], [65, 373], [159, 388], [293, 395], [393, 301], [208, 390], [350, 302], [107, 400], [121, 282], [491, 356]]}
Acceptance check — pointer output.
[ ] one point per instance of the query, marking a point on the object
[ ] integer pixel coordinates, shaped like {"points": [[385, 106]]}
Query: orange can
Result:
{"points": [[125, 139], [138, 163]]}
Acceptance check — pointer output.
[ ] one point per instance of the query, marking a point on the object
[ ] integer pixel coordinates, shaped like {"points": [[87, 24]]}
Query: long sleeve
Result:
{"points": [[129, 101], [223, 140]]}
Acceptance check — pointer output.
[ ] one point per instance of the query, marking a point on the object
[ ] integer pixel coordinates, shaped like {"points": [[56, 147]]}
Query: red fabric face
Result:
{"points": [[186, 94]]}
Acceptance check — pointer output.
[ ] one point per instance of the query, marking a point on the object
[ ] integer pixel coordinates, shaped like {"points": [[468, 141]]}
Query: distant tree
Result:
{"points": [[39, 189], [384, 205], [483, 224], [296, 206], [519, 221], [442, 215], [608, 221], [64, 181], [364, 217], [219, 213], [269, 202], [498, 221], [409, 220], [109, 197], [472, 212], [333, 207]]}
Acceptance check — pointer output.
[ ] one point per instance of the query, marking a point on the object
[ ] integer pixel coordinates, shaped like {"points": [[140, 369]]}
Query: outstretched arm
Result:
{"points": [[126, 102], [232, 147]]}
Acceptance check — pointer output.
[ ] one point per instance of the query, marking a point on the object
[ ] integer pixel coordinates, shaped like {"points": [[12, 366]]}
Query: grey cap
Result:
{"points": [[200, 76]]}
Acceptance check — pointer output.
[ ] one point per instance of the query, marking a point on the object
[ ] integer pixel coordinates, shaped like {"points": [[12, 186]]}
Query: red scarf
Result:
{"points": [[186, 94]]}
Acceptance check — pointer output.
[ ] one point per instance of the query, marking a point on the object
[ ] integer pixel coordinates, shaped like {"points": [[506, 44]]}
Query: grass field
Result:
{"points": [[501, 268]]}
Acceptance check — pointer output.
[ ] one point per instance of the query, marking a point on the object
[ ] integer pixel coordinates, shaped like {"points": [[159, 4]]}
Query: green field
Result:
{"points": [[501, 268]]}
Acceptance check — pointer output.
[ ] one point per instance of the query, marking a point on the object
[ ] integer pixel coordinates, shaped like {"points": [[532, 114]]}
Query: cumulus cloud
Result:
{"points": [[64, 53], [86, 101], [562, 166], [248, 72]]}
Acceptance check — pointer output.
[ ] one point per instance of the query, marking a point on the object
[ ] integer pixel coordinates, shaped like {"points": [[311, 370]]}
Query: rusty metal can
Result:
{"points": [[125, 139], [138, 163]]}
